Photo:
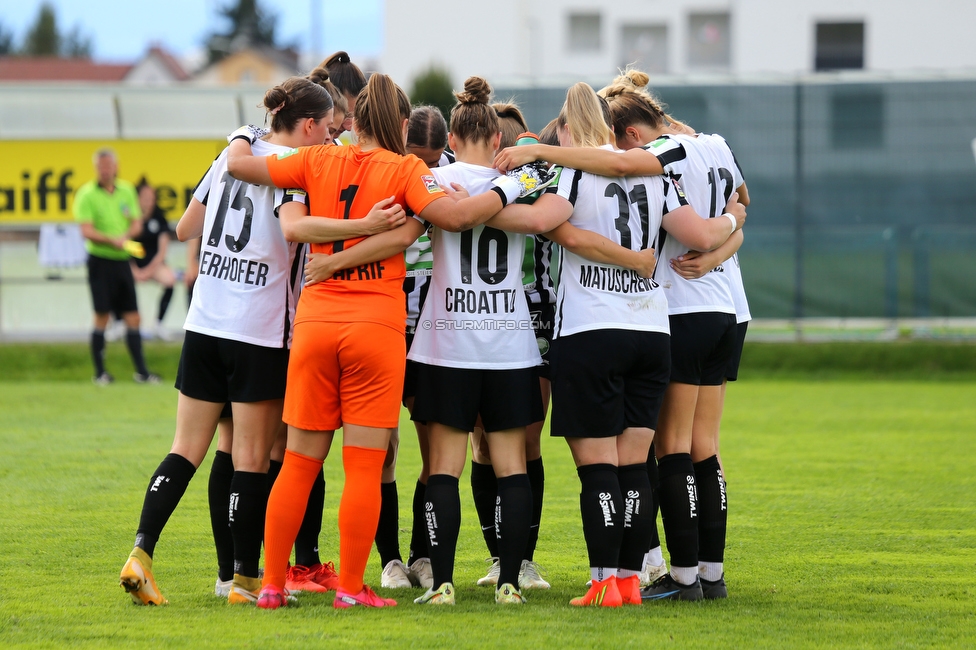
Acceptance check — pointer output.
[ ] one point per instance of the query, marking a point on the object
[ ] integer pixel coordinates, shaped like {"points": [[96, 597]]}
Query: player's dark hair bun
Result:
{"points": [[275, 97], [338, 57], [476, 91], [318, 76]]}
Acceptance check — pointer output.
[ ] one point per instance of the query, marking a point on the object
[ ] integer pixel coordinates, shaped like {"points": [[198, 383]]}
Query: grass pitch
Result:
{"points": [[851, 524]]}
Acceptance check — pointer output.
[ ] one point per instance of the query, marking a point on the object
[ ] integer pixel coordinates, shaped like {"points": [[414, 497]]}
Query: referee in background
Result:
{"points": [[108, 211]]}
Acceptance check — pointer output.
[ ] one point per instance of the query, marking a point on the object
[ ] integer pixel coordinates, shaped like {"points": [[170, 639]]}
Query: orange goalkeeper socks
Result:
{"points": [[286, 508], [359, 513]]}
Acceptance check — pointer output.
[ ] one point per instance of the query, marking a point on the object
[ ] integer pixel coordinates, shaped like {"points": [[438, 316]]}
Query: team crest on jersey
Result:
{"points": [[431, 184], [285, 154]]}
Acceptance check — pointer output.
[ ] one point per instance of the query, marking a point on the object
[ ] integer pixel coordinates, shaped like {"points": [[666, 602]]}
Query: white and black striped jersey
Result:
{"points": [[708, 180], [419, 259], [723, 151], [628, 211], [475, 315], [250, 277], [539, 270]]}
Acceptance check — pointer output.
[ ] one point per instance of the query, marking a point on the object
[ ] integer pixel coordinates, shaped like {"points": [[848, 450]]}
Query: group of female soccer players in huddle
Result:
{"points": [[470, 281]]}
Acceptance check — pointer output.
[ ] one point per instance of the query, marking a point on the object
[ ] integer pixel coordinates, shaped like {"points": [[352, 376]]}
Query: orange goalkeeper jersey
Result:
{"points": [[344, 183]]}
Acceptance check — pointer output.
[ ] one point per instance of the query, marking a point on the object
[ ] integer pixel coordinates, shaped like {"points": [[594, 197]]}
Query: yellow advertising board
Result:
{"points": [[38, 179]]}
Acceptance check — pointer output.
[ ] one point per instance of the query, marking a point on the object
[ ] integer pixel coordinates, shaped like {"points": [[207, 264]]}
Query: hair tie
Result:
{"points": [[274, 111]]}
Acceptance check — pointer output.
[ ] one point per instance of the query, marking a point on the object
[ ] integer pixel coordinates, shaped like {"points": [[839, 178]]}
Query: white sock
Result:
{"points": [[600, 573], [626, 573], [711, 571], [684, 574], [653, 557]]}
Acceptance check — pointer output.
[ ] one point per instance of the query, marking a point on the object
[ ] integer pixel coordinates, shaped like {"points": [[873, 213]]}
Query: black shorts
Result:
{"points": [[732, 372], [505, 399], [542, 323], [112, 287], [701, 347], [605, 381], [221, 370], [410, 374]]}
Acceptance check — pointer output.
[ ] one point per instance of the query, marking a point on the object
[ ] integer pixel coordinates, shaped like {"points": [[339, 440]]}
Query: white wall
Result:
{"points": [[524, 42]]}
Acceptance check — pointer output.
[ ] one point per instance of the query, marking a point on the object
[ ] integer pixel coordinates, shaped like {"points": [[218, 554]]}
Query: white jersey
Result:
{"points": [[475, 315], [250, 277], [722, 151], [708, 182], [628, 211]]}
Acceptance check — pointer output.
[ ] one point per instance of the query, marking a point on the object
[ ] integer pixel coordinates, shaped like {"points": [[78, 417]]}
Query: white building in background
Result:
{"points": [[522, 42]]}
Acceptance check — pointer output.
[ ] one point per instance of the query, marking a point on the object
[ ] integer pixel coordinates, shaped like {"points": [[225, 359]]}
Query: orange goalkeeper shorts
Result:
{"points": [[344, 373]]}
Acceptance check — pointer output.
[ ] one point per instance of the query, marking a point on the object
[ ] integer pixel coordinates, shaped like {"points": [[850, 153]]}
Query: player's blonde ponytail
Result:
{"points": [[584, 115]]}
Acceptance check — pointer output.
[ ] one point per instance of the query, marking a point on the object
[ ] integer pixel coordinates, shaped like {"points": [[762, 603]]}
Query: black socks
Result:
{"points": [[513, 517], [388, 528], [248, 502], [442, 505], [164, 303], [307, 541], [601, 507], [537, 477], [713, 515], [652, 475], [166, 488], [636, 490], [218, 493], [98, 351], [484, 489], [418, 532], [133, 341], [679, 509]]}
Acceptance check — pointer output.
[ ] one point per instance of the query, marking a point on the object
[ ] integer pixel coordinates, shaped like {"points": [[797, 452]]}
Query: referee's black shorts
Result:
{"points": [[112, 287], [221, 370], [605, 381]]}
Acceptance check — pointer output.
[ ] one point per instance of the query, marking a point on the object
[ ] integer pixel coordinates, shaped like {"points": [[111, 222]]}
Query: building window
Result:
{"points": [[840, 46], [645, 47], [709, 45], [857, 118], [584, 32]]}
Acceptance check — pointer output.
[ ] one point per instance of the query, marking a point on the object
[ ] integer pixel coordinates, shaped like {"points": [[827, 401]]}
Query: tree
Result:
{"points": [[434, 87], [250, 25], [44, 39], [6, 41]]}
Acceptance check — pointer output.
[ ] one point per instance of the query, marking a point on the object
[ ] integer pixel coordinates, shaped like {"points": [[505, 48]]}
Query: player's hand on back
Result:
{"points": [[737, 210], [648, 262], [692, 265], [385, 215], [455, 191], [318, 268], [512, 157]]}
